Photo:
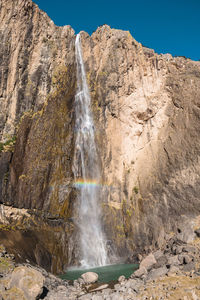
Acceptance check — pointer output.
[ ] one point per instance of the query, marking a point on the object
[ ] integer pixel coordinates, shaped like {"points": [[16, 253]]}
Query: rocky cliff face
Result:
{"points": [[38, 78], [147, 117], [147, 114]]}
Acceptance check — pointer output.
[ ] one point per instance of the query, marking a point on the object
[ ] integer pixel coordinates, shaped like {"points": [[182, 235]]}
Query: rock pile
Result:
{"points": [[168, 273]]}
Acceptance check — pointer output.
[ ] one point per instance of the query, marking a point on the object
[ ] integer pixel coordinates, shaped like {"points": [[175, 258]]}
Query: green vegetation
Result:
{"points": [[6, 227], [136, 189], [44, 40], [60, 78], [128, 212], [28, 113], [6, 265], [22, 177], [9, 145], [5, 178]]}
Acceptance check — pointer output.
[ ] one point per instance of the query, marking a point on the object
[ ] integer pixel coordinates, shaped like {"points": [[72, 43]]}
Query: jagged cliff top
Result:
{"points": [[10, 10]]}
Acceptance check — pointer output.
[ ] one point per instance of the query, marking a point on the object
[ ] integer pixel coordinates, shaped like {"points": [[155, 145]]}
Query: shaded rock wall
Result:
{"points": [[37, 84], [31, 47], [146, 112]]}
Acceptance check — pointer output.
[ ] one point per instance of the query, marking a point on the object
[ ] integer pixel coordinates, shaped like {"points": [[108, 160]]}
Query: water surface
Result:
{"points": [[106, 273]]}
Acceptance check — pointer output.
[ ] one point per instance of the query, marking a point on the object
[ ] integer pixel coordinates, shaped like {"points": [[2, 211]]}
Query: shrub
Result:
{"points": [[8, 146], [136, 189]]}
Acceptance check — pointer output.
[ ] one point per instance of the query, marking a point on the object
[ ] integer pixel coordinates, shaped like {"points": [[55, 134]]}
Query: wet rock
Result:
{"points": [[148, 262], [89, 277], [121, 278]]}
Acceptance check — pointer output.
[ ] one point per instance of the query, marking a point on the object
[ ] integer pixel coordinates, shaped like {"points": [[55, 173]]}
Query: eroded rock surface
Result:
{"points": [[31, 49], [147, 122], [147, 116], [36, 95]]}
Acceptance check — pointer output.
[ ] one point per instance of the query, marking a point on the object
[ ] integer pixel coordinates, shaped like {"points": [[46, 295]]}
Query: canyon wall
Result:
{"points": [[147, 118], [147, 114]]}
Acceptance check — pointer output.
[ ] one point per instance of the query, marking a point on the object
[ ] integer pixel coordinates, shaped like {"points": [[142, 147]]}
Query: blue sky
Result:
{"points": [[167, 26]]}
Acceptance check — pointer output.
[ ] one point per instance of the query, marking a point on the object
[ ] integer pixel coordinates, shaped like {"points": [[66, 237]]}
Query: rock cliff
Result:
{"points": [[147, 118]]}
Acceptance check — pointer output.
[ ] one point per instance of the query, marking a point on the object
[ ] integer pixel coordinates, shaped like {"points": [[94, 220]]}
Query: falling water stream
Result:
{"points": [[87, 173]]}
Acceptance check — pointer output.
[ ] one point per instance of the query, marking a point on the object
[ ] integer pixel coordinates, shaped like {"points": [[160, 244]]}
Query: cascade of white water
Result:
{"points": [[86, 169]]}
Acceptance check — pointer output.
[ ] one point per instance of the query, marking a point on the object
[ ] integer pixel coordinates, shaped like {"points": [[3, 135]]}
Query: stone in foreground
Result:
{"points": [[90, 277], [27, 280], [140, 272], [148, 262]]}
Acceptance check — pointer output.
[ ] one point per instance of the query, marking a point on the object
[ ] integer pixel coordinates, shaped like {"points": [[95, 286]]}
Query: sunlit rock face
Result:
{"points": [[147, 117], [147, 122]]}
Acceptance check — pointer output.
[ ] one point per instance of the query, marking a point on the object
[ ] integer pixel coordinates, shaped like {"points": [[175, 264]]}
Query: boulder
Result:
{"points": [[174, 260], [185, 259], [140, 272], [121, 278], [177, 249], [161, 261], [134, 284], [14, 294], [156, 273], [186, 234], [148, 262], [89, 277], [190, 249], [189, 267], [173, 270], [157, 254], [28, 280]]}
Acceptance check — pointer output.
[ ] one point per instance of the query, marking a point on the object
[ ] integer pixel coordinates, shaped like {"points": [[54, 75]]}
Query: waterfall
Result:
{"points": [[87, 173]]}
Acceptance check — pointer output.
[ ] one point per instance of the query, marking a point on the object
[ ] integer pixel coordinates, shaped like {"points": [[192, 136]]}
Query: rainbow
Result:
{"points": [[89, 183]]}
